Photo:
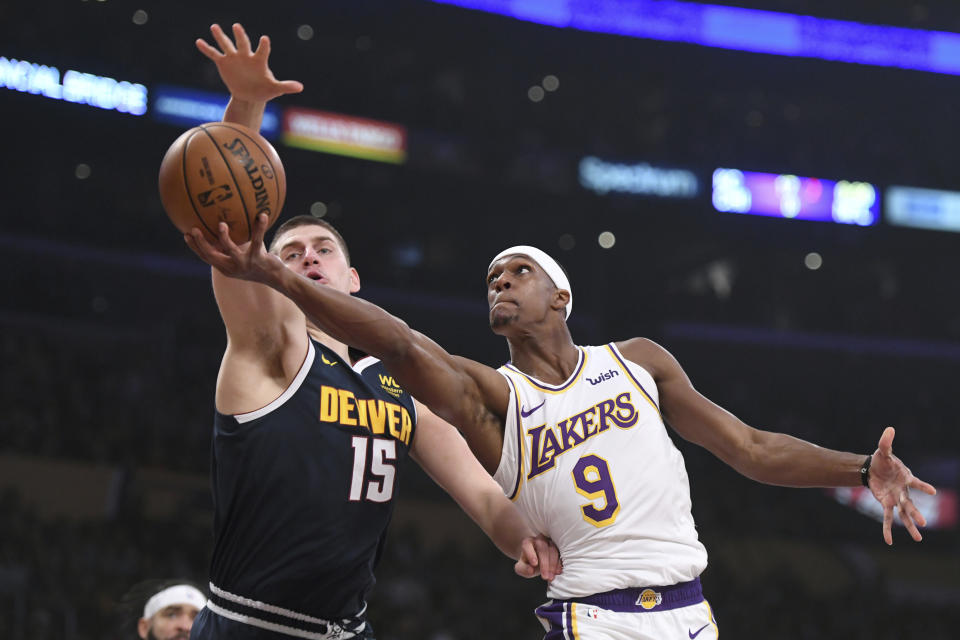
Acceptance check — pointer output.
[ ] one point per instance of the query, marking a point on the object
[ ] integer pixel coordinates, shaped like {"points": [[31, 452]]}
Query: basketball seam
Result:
{"points": [[186, 182], [266, 156], [246, 213]]}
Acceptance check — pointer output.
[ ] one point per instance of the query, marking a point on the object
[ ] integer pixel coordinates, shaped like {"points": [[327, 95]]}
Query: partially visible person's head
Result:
{"points": [[524, 281], [315, 249], [166, 608]]}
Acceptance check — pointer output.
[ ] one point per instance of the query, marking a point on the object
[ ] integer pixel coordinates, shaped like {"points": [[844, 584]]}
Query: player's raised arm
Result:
{"points": [[470, 395], [776, 458], [246, 73], [266, 332]]}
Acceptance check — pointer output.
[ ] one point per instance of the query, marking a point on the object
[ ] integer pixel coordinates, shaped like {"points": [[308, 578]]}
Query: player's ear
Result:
{"points": [[143, 628], [354, 280], [560, 299]]}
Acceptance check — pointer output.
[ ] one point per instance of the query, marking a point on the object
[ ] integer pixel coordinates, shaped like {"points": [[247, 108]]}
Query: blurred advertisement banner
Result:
{"points": [[189, 107], [80, 88], [790, 196], [602, 177], [923, 208], [344, 135]]}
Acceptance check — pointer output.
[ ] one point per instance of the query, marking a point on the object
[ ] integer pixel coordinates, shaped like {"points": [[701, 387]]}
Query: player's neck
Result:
{"points": [[551, 358], [334, 345]]}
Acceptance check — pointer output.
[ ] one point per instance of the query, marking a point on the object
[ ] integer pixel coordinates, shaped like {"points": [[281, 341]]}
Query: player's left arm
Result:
{"points": [[246, 73], [443, 453], [775, 458]]}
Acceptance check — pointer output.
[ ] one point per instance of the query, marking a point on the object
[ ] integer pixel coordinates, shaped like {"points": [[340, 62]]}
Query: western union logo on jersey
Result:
{"points": [[379, 416], [546, 444], [388, 384]]}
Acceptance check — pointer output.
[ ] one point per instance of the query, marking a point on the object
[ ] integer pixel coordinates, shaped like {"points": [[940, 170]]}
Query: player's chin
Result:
{"points": [[499, 320]]}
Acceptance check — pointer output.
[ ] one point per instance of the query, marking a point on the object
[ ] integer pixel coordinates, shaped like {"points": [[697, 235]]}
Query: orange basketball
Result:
{"points": [[220, 171]]}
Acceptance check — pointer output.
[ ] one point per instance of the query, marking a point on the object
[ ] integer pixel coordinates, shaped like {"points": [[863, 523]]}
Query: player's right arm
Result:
{"points": [[266, 332]]}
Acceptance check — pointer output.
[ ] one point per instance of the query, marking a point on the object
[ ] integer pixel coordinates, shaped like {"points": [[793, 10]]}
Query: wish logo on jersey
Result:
{"points": [[379, 416], [546, 444]]}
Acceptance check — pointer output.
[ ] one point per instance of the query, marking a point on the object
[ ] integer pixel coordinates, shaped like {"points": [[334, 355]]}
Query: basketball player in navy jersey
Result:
{"points": [[308, 442], [576, 435]]}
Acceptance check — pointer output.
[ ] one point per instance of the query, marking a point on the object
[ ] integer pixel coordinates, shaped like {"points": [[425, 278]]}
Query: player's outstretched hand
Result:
{"points": [[246, 72], [539, 556], [891, 481], [249, 261]]}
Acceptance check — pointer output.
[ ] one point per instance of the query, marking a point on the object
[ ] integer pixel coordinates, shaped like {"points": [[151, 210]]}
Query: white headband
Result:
{"points": [[548, 264], [177, 594]]}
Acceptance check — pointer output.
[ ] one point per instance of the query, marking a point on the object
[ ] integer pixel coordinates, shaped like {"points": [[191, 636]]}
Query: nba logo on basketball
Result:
{"points": [[217, 194]]}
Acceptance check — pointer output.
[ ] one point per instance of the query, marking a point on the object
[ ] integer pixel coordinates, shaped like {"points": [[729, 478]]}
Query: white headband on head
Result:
{"points": [[177, 594], [548, 264]]}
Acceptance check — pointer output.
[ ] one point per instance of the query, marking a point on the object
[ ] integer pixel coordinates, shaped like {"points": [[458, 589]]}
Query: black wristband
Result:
{"points": [[865, 471]]}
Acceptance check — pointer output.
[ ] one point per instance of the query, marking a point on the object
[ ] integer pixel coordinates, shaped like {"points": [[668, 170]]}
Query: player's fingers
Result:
{"points": [[528, 553], [211, 52], [920, 485], [549, 557], [260, 224], [888, 524], [911, 509], [263, 47], [225, 45], [909, 524], [198, 243], [886, 441], [524, 570], [290, 86], [241, 37], [226, 242]]}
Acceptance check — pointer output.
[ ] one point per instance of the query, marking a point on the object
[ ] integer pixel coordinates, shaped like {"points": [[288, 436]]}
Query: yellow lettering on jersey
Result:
{"points": [[548, 443], [347, 406], [378, 415], [328, 404], [388, 381], [362, 413], [406, 426], [393, 419]]}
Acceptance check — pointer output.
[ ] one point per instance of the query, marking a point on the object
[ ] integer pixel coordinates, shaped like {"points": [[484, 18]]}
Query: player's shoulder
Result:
{"points": [[646, 353], [637, 345]]}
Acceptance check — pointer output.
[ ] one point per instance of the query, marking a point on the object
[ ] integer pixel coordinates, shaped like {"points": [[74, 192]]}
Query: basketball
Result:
{"points": [[221, 172]]}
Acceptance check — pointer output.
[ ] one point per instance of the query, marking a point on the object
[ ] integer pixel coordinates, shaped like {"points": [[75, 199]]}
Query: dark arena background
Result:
{"points": [[768, 188]]}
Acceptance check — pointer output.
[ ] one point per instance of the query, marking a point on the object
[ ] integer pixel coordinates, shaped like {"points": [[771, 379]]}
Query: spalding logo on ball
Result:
{"points": [[221, 172]]}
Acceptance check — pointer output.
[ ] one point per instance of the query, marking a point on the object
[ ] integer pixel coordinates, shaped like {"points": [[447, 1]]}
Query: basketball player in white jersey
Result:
{"points": [[576, 436]]}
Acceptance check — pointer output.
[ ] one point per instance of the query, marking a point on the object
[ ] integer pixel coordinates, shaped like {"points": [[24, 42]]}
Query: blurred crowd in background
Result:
{"points": [[111, 341]]}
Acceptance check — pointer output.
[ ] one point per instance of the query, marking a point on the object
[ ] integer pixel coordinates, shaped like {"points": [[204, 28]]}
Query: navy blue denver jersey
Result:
{"points": [[303, 491]]}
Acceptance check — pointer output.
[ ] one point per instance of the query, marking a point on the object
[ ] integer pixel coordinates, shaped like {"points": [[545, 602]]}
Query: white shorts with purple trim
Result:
{"points": [[648, 613]]}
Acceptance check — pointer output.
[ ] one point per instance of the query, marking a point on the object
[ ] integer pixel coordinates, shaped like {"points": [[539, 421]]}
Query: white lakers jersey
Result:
{"points": [[590, 464]]}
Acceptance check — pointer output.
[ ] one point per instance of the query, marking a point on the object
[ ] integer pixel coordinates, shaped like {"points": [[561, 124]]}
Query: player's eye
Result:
{"points": [[325, 250], [523, 269], [292, 256], [491, 278]]}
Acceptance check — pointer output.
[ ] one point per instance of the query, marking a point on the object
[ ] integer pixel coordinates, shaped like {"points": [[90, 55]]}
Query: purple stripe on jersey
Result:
{"points": [[616, 354], [547, 387], [520, 454], [643, 599], [553, 614]]}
